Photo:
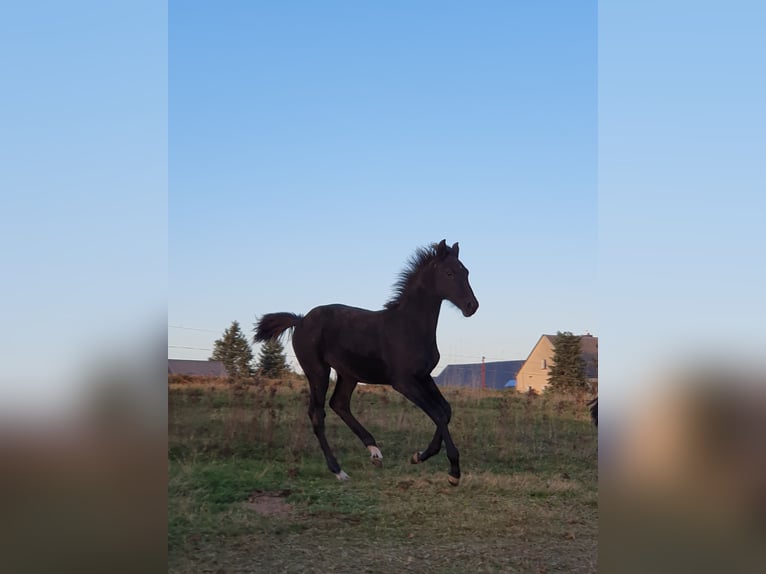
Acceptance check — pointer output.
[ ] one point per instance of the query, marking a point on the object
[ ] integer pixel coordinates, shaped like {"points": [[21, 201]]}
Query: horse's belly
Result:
{"points": [[364, 368]]}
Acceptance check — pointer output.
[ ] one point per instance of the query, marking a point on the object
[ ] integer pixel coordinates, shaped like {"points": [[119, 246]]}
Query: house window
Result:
{"points": [[544, 364]]}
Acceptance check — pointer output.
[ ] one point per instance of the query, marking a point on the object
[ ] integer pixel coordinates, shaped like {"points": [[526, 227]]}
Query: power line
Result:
{"points": [[455, 356], [446, 357], [208, 349], [192, 328], [182, 347]]}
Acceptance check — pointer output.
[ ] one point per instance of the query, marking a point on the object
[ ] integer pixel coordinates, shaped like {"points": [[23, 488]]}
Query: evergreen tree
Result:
{"points": [[272, 362], [234, 352], [567, 374]]}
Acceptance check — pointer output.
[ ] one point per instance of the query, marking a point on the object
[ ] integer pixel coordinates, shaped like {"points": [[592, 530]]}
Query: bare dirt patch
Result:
{"points": [[269, 503]]}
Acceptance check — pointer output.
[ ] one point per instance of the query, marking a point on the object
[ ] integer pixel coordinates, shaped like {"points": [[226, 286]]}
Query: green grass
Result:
{"points": [[527, 501]]}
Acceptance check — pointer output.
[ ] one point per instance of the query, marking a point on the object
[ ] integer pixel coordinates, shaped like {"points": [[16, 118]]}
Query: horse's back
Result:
{"points": [[337, 322], [342, 337]]}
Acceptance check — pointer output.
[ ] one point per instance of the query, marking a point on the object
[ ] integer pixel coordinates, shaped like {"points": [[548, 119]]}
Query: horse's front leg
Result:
{"points": [[425, 394], [433, 448]]}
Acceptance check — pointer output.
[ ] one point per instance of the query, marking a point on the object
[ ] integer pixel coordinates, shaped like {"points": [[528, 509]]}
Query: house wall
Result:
{"points": [[534, 373]]}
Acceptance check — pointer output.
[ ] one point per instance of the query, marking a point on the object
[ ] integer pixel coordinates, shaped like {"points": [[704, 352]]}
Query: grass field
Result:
{"points": [[249, 490]]}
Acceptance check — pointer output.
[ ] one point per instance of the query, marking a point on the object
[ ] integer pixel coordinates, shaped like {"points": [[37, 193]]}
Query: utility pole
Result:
{"points": [[483, 374]]}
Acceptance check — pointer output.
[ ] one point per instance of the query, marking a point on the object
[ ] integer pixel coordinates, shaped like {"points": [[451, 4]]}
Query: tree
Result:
{"points": [[272, 362], [234, 352], [567, 374]]}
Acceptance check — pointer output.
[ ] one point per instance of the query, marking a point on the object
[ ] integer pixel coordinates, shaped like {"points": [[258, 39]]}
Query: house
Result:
{"points": [[196, 368], [497, 375], [534, 373]]}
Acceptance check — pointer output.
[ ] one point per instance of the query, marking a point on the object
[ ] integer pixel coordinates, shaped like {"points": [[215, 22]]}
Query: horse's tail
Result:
{"points": [[272, 325]]}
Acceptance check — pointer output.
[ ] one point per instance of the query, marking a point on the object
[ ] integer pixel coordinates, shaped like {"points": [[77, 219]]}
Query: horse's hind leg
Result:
{"points": [[318, 374], [340, 402]]}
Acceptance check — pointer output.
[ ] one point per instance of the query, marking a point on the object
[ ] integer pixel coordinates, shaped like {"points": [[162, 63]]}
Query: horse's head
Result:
{"points": [[451, 279]]}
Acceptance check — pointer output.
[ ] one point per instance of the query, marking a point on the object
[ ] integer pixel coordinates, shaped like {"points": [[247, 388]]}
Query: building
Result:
{"points": [[534, 373], [497, 375], [196, 368]]}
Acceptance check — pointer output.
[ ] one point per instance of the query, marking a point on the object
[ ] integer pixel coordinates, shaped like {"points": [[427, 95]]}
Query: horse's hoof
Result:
{"points": [[376, 457], [452, 480], [341, 475], [415, 459]]}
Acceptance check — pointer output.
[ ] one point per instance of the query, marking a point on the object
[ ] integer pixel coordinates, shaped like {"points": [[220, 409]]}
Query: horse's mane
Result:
{"points": [[422, 257]]}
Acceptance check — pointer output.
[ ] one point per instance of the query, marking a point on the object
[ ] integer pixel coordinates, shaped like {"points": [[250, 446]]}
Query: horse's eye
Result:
{"points": [[449, 273]]}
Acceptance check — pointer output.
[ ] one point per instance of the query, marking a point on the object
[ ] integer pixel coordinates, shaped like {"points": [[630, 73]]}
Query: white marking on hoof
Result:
{"points": [[375, 455], [342, 476], [415, 459]]}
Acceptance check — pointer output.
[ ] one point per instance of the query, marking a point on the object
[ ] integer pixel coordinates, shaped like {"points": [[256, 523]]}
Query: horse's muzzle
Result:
{"points": [[470, 308]]}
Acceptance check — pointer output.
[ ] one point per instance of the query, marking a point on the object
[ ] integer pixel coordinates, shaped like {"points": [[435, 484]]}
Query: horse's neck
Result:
{"points": [[422, 311]]}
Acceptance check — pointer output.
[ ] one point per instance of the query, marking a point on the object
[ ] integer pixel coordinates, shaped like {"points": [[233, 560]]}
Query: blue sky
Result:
{"points": [[314, 146], [682, 141], [145, 146], [83, 193]]}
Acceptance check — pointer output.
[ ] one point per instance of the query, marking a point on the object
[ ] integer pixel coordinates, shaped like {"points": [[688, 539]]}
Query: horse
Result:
{"points": [[394, 346], [593, 408]]}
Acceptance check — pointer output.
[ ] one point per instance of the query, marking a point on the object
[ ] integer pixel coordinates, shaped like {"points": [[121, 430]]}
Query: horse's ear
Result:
{"points": [[455, 249], [442, 250]]}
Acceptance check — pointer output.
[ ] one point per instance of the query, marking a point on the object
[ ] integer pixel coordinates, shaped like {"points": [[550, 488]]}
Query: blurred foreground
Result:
{"points": [[683, 478], [83, 488]]}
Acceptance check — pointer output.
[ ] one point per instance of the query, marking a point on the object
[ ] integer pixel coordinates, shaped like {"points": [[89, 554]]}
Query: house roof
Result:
{"points": [[496, 374], [196, 368]]}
